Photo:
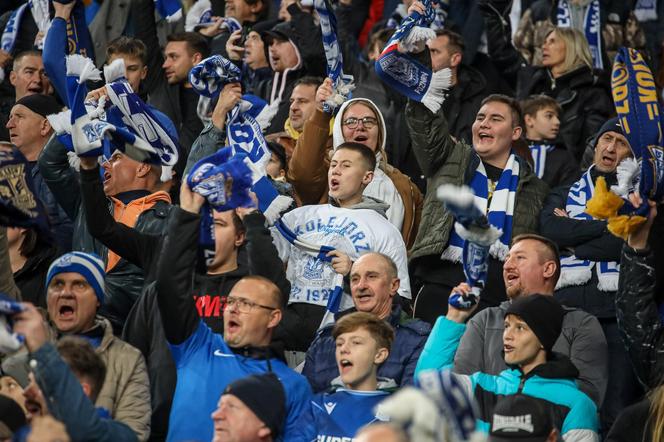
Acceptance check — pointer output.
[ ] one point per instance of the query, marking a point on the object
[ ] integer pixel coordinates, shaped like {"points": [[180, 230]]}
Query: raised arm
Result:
{"points": [[142, 12], [139, 248], [176, 265]]}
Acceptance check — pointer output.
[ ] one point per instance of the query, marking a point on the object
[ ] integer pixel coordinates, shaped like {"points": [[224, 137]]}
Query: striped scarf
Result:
{"points": [[342, 84], [574, 271], [591, 27], [320, 253], [538, 152], [500, 210], [405, 74]]}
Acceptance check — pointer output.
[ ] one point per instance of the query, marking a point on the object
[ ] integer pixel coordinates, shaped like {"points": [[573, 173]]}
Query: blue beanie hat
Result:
{"points": [[87, 264]]}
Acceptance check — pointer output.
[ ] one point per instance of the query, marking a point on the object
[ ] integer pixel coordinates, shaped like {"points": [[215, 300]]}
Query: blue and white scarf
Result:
{"points": [[539, 152], [405, 74], [342, 84], [574, 271], [11, 29], [477, 234], [500, 210], [171, 10], [224, 179], [642, 120], [244, 129], [646, 10], [441, 9], [199, 15], [208, 78], [592, 27], [128, 126], [319, 252]]}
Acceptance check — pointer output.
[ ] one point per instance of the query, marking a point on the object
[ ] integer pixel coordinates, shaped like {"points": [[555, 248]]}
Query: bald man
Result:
{"points": [[374, 284]]}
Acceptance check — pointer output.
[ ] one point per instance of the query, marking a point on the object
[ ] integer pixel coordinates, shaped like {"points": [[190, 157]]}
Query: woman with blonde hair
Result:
{"points": [[566, 74]]}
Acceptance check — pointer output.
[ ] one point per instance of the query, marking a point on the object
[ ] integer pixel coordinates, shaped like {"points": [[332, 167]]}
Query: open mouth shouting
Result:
{"points": [[334, 184], [345, 366]]}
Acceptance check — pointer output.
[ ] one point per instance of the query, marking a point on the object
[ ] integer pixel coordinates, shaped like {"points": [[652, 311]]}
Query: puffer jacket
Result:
{"points": [[638, 317], [481, 344], [583, 95], [126, 389], [442, 161], [321, 369], [125, 280], [307, 170]]}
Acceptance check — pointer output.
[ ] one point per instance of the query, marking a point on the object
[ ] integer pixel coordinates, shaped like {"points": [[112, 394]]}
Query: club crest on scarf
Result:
{"points": [[635, 98], [405, 74]]}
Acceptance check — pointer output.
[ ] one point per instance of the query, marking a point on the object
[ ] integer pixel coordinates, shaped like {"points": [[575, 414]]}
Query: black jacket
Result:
{"points": [[124, 281], [561, 167], [638, 317], [583, 95], [463, 101], [633, 424], [587, 239]]}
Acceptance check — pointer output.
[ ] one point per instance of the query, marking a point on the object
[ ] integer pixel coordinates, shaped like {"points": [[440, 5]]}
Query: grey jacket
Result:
{"points": [[582, 340], [445, 161]]}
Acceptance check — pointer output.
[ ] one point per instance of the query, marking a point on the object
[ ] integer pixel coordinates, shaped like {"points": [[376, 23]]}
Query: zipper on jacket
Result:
{"points": [[521, 383]]}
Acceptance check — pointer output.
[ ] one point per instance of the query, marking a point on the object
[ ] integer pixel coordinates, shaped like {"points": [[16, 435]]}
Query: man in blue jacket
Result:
{"points": [[206, 362], [374, 284]]}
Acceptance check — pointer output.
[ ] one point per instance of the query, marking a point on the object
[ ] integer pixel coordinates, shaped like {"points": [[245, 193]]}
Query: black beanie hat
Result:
{"points": [[611, 125], [543, 314], [265, 396], [40, 104]]}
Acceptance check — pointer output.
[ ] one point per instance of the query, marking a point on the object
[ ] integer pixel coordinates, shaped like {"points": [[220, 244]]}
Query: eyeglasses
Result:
{"points": [[367, 122], [244, 305]]}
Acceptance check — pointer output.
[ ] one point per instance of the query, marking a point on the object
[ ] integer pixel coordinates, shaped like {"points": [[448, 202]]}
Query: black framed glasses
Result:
{"points": [[244, 305], [367, 122]]}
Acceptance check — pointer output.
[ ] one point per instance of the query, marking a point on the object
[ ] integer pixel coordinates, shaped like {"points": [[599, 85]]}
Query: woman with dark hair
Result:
{"points": [[30, 255], [566, 74]]}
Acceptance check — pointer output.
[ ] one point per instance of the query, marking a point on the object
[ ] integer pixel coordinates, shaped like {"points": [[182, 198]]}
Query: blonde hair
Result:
{"points": [[656, 415], [577, 50]]}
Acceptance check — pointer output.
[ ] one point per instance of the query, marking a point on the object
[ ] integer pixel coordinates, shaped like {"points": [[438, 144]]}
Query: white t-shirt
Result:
{"points": [[352, 231]]}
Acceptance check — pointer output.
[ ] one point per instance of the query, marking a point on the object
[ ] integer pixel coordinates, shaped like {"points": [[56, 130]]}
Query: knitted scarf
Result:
{"points": [[635, 97], [319, 252], [539, 152], [244, 129], [224, 180], [9, 341], [500, 210], [574, 271], [592, 27], [477, 235], [405, 74], [342, 84]]}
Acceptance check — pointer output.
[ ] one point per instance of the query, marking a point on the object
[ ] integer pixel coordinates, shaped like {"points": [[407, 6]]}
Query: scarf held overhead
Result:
{"points": [[405, 74]]}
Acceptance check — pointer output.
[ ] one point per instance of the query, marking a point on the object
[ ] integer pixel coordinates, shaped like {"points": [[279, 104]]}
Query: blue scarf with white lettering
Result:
{"points": [[244, 129], [592, 27], [575, 271], [477, 234], [224, 179], [405, 74], [642, 121], [500, 210], [538, 153], [319, 252], [342, 84]]}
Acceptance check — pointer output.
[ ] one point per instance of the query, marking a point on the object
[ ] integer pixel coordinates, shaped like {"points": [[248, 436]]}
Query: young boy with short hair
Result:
{"points": [[363, 343], [553, 163]]}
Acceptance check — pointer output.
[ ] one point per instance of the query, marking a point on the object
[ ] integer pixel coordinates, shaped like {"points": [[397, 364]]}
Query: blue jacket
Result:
{"points": [[410, 335], [574, 413], [67, 402]]}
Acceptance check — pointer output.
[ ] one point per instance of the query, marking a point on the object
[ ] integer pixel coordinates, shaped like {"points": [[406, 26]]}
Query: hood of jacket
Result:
{"points": [[337, 134], [368, 202]]}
